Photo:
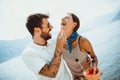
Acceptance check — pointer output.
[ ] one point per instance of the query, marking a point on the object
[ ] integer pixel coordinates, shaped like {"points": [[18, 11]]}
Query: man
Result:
{"points": [[77, 52], [43, 56]]}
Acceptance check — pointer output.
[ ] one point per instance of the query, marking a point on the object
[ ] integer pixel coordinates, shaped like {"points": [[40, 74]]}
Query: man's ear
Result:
{"points": [[37, 30]]}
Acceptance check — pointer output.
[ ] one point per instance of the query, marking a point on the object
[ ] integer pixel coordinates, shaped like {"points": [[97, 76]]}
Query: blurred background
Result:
{"points": [[99, 22]]}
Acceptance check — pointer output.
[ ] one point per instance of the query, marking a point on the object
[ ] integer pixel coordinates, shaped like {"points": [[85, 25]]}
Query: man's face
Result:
{"points": [[46, 28]]}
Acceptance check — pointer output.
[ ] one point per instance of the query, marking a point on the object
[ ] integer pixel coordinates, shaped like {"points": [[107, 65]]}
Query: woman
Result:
{"points": [[77, 52]]}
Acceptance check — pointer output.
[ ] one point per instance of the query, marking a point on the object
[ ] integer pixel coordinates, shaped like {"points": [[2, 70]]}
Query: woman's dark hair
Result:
{"points": [[35, 20], [75, 19]]}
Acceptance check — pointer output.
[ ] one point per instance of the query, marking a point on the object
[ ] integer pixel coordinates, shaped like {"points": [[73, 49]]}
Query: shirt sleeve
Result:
{"points": [[34, 62]]}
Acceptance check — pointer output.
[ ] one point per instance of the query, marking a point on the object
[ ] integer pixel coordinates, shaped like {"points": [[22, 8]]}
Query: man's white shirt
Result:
{"points": [[36, 56]]}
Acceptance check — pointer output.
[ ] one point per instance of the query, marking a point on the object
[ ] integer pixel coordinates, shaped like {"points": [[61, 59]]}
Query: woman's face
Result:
{"points": [[67, 24]]}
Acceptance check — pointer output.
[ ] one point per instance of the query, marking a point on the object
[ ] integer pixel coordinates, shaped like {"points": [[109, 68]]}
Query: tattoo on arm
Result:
{"points": [[52, 69]]}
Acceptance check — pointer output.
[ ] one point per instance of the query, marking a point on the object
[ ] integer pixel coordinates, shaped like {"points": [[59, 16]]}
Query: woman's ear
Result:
{"points": [[75, 23]]}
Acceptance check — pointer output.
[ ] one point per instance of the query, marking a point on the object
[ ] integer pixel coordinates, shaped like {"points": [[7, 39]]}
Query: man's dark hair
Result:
{"points": [[75, 19], [35, 20]]}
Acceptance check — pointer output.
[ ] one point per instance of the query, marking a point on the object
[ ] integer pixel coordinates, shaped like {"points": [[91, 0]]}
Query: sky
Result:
{"points": [[14, 13]]}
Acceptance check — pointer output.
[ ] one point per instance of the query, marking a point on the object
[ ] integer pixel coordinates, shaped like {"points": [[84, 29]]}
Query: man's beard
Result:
{"points": [[45, 36]]}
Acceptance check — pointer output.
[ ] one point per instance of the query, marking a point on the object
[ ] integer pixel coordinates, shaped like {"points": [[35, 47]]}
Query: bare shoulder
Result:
{"points": [[84, 41]]}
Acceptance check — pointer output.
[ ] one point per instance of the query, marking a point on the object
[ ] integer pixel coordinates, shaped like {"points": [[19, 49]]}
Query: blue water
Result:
{"points": [[106, 44]]}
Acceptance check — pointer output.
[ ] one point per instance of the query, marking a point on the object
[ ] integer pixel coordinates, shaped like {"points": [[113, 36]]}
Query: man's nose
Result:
{"points": [[51, 27]]}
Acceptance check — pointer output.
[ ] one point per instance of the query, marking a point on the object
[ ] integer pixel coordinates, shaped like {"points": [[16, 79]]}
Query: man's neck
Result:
{"points": [[39, 41]]}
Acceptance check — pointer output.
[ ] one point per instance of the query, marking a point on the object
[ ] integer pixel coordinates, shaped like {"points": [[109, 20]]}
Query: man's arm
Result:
{"points": [[52, 69]]}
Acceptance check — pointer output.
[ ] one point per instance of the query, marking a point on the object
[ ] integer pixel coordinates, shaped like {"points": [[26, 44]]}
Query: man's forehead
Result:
{"points": [[45, 20]]}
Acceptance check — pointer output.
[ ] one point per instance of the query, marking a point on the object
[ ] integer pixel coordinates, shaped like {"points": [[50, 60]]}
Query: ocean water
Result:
{"points": [[110, 53], [106, 44]]}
